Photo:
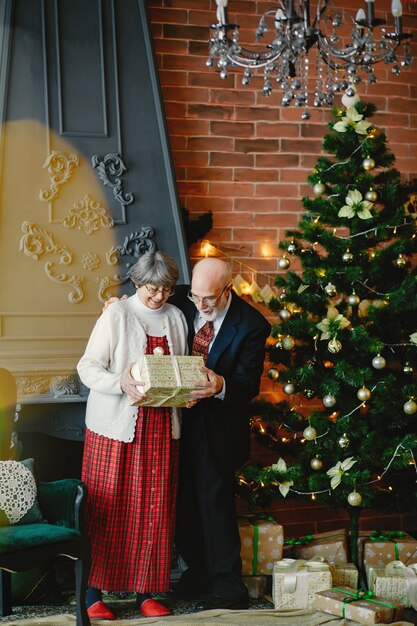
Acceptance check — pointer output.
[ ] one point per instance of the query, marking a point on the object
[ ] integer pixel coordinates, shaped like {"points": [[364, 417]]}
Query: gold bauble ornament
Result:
{"points": [[319, 189], [292, 248], [309, 433], [410, 407], [329, 400], [316, 464], [364, 394], [354, 498], [343, 441], [334, 346], [371, 196], [285, 314], [347, 256], [283, 263], [288, 343], [283, 294], [368, 164], [330, 289], [273, 374], [378, 362], [401, 261], [288, 389], [353, 299]]}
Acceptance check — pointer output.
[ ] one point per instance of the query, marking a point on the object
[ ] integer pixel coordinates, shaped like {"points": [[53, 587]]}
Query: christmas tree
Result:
{"points": [[345, 347]]}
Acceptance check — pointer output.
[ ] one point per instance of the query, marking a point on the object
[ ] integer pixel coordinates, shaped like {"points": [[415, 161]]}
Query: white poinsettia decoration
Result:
{"points": [[285, 487], [355, 206], [352, 118], [413, 338], [281, 466], [333, 317], [338, 470]]}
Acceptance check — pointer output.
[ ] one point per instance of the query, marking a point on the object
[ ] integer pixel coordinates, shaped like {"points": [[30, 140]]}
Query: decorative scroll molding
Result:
{"points": [[134, 245], [110, 170], [37, 241], [88, 216], [60, 168], [105, 283], [74, 296]]}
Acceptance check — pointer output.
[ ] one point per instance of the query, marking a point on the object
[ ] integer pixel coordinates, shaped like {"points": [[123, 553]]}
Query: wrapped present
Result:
{"points": [[396, 582], [359, 606], [332, 546], [256, 586], [261, 540], [382, 547], [295, 582], [344, 575], [168, 380]]}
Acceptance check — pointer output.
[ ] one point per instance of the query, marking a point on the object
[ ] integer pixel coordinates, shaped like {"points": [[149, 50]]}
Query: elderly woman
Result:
{"points": [[130, 454]]}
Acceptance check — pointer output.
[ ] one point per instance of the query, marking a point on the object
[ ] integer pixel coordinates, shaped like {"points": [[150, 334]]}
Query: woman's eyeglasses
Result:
{"points": [[165, 291]]}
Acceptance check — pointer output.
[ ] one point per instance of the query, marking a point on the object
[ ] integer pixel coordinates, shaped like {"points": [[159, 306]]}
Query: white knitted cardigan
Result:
{"points": [[117, 339]]}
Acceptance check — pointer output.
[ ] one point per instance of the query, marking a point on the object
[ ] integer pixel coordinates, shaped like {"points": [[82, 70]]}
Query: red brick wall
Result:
{"points": [[246, 158]]}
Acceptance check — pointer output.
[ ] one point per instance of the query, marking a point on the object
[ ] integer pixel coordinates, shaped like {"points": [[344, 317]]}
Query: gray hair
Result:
{"points": [[154, 268]]}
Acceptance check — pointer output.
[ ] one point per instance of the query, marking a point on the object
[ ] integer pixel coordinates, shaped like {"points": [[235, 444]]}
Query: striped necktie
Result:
{"points": [[202, 340]]}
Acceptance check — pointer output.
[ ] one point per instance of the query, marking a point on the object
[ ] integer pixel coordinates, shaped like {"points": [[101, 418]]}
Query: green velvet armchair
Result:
{"points": [[24, 546]]}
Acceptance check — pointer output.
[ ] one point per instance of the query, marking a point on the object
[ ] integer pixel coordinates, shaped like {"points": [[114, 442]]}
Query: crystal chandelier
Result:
{"points": [[346, 47]]}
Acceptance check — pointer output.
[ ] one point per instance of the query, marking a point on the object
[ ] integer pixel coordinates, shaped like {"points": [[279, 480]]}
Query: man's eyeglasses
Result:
{"points": [[208, 300], [165, 291]]}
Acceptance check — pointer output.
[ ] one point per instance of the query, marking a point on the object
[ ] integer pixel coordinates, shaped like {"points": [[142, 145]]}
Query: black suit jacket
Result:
{"points": [[237, 354]]}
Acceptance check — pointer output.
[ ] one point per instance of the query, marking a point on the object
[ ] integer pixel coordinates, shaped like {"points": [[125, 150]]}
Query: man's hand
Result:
{"points": [[129, 385], [208, 388], [113, 299]]}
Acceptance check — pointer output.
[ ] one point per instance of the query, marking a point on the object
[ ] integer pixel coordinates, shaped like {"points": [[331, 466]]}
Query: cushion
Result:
{"points": [[18, 501]]}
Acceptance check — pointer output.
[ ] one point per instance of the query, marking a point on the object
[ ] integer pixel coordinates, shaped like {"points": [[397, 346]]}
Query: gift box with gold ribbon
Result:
{"points": [[262, 539], [382, 547], [344, 575], [294, 582], [332, 546], [168, 380], [359, 606], [395, 581]]}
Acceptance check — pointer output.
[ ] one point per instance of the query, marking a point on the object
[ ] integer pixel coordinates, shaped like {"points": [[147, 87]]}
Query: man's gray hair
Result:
{"points": [[154, 268]]}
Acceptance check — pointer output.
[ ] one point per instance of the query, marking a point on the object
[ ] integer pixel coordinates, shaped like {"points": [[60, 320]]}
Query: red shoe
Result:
{"points": [[99, 610], [152, 608]]}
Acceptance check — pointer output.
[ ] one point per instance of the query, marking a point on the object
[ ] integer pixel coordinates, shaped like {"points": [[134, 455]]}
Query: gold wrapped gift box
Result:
{"points": [[168, 380], [261, 544], [382, 547], [344, 575], [332, 546], [358, 606], [295, 582], [396, 582]]}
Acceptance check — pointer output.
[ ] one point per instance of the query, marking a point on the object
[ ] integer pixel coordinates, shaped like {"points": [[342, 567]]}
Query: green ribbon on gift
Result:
{"points": [[362, 595], [306, 539], [388, 535], [254, 519]]}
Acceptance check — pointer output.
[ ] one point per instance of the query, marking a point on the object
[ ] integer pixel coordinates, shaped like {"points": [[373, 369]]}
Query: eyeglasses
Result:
{"points": [[208, 300], [165, 291]]}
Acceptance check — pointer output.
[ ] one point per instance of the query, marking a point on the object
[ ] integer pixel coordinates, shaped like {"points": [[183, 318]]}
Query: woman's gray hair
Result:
{"points": [[154, 268]]}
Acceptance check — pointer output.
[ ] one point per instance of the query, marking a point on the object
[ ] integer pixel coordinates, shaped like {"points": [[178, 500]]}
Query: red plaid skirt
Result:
{"points": [[130, 509]]}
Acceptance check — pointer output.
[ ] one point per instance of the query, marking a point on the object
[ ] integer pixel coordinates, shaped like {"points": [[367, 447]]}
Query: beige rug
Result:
{"points": [[211, 618]]}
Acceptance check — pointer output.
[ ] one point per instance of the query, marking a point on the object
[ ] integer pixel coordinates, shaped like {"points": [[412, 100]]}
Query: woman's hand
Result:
{"points": [[129, 385]]}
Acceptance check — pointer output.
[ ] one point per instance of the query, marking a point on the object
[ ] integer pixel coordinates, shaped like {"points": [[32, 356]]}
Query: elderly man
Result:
{"points": [[215, 440]]}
